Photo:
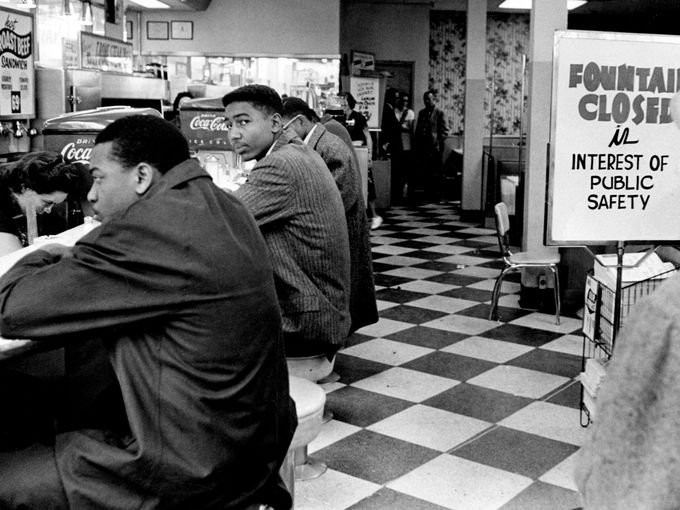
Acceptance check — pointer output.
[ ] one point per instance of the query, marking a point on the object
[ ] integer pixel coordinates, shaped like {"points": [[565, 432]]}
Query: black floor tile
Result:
{"points": [[470, 243], [385, 280], [450, 365], [387, 499], [558, 363], [435, 265], [569, 396], [429, 255], [381, 267], [416, 245], [357, 338], [352, 369], [469, 294], [397, 295], [477, 402], [382, 458], [515, 451], [363, 408], [503, 313], [492, 264], [521, 335], [454, 279], [542, 496], [411, 314], [427, 337]]}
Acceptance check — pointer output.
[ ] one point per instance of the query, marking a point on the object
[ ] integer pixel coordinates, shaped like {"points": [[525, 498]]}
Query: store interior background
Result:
{"points": [[302, 47]]}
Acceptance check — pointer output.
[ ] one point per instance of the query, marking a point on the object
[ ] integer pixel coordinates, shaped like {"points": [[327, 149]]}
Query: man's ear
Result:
{"points": [[144, 175], [277, 122]]}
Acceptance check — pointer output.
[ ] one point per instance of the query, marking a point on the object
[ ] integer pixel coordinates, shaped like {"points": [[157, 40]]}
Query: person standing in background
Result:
{"points": [[391, 144], [431, 131], [357, 126], [406, 118]]}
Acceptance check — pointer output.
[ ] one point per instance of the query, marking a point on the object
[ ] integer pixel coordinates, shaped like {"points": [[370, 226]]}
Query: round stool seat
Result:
{"points": [[311, 368], [309, 402]]}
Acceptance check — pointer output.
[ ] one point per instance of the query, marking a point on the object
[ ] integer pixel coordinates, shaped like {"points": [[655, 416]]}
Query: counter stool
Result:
{"points": [[309, 402], [318, 369]]}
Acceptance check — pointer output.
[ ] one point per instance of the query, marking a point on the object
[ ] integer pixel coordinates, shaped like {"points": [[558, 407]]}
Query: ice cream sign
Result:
{"points": [[17, 76]]}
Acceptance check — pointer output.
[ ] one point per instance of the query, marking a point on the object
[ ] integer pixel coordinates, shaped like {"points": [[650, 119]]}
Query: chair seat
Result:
{"points": [[309, 403], [542, 259]]}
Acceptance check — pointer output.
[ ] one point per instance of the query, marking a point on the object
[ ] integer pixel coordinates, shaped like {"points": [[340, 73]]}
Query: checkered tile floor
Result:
{"points": [[438, 407]]}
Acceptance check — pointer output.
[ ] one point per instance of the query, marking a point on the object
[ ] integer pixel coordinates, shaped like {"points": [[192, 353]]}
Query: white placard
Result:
{"points": [[615, 150], [17, 73], [365, 91]]}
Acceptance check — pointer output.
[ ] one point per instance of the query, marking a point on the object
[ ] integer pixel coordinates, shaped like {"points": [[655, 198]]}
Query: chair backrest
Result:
{"points": [[502, 228]]}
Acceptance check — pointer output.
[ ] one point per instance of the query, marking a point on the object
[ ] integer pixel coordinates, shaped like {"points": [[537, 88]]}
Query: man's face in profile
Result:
{"points": [[251, 130], [114, 188]]}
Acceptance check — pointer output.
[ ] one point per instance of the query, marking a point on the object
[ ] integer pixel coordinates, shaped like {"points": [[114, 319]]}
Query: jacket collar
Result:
{"points": [[187, 170], [287, 136], [318, 132]]}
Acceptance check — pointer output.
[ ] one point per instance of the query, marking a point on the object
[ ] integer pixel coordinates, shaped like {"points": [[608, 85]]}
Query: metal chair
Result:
{"points": [[516, 261]]}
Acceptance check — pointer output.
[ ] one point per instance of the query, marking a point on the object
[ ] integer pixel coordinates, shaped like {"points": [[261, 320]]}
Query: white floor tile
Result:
{"points": [[406, 384], [491, 239], [568, 344], [462, 324], [399, 260], [549, 420], [385, 240], [477, 231], [332, 491], [443, 303], [384, 327], [519, 381], [463, 260], [384, 305], [480, 272], [427, 426], [562, 475], [487, 349], [456, 483], [427, 287], [437, 239], [389, 249], [387, 351], [426, 231], [415, 273], [509, 300], [547, 322], [451, 249], [331, 432]]}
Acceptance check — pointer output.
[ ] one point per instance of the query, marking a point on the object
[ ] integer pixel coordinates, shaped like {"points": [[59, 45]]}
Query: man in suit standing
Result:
{"points": [[298, 208], [430, 134], [343, 167]]}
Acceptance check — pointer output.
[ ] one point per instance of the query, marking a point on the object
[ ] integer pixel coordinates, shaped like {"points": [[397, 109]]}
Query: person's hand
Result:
{"points": [[60, 251]]}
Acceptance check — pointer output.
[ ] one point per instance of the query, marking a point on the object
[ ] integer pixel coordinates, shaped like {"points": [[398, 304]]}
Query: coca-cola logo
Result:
{"points": [[206, 123], [74, 154]]}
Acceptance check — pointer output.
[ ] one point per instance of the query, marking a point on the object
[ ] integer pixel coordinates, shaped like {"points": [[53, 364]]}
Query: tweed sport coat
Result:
{"points": [[298, 208], [340, 160]]}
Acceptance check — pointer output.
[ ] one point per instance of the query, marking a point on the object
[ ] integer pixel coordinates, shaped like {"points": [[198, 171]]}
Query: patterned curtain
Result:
{"points": [[507, 40]]}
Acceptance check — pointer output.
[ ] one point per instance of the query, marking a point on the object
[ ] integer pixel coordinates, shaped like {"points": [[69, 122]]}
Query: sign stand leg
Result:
{"points": [[617, 296]]}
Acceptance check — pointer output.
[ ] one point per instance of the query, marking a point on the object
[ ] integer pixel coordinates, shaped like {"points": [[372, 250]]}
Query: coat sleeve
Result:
{"points": [[340, 162], [112, 281], [269, 192]]}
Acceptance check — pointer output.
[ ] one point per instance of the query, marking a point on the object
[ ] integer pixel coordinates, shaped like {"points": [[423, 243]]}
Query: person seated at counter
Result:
{"points": [[36, 182], [340, 160], [298, 208], [177, 284]]}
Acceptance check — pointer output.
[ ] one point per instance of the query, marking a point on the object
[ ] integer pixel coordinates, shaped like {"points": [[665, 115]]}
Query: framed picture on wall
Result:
{"points": [[157, 30], [128, 29], [181, 30]]}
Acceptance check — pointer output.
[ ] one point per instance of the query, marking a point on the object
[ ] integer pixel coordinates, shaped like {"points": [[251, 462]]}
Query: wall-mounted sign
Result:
{"points": [[366, 91], [615, 150], [98, 52], [17, 74], [362, 61]]}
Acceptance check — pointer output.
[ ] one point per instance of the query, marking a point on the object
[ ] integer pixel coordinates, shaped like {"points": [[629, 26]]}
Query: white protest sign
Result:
{"points": [[615, 150], [365, 91]]}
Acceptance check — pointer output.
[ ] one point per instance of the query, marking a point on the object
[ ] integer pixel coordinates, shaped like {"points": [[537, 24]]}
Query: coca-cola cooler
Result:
{"points": [[202, 123], [73, 135]]}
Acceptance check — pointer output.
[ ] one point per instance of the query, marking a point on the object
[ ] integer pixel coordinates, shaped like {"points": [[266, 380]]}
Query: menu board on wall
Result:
{"points": [[98, 52], [366, 92], [17, 74], [614, 172]]}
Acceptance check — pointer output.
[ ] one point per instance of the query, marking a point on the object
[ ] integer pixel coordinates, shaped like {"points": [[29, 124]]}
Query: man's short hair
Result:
{"points": [[145, 139], [293, 106], [428, 92], [264, 98]]}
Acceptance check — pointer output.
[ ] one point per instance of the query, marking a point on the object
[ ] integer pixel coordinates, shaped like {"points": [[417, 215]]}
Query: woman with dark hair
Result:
{"points": [[35, 183], [180, 99]]}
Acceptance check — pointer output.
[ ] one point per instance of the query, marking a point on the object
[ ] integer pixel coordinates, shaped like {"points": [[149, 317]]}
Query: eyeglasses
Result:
{"points": [[285, 126]]}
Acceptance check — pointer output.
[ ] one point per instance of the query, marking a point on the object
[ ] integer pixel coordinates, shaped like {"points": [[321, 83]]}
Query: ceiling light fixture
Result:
{"points": [[150, 4], [526, 4]]}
